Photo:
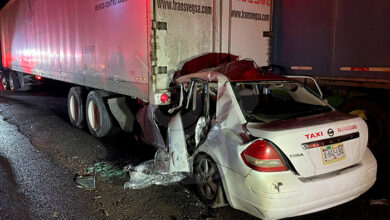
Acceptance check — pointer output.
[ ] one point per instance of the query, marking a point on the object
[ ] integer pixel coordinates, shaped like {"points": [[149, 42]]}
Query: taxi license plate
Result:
{"points": [[333, 153]]}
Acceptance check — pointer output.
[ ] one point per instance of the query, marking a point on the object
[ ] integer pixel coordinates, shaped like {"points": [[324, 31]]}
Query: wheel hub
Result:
{"points": [[93, 115], [74, 110], [206, 173]]}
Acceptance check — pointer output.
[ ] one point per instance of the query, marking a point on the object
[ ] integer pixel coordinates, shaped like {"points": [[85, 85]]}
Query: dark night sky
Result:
{"points": [[3, 2]]}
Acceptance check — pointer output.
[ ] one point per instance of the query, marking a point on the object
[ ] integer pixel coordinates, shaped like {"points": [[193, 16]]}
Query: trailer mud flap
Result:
{"points": [[177, 146], [151, 132]]}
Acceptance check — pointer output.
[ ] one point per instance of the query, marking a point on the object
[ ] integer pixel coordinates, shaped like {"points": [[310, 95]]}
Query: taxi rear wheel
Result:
{"points": [[208, 182]]}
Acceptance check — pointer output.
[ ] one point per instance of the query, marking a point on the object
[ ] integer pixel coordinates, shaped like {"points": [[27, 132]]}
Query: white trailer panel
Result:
{"points": [[127, 47]]}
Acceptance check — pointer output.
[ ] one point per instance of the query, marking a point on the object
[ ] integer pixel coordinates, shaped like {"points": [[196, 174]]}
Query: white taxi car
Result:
{"points": [[265, 144]]}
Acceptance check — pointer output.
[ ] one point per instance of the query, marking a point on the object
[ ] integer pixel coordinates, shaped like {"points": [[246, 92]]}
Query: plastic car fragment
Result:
{"points": [[152, 172], [87, 182]]}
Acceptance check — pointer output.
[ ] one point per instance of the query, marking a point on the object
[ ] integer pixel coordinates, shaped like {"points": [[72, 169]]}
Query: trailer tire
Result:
{"points": [[76, 106], [99, 120], [377, 120], [4, 81], [13, 81]]}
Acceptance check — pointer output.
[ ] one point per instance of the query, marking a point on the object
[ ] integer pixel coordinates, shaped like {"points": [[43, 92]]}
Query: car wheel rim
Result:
{"points": [[207, 179], [74, 110], [93, 115], [373, 124]]}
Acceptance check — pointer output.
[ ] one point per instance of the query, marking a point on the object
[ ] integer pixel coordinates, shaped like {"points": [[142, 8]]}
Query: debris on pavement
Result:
{"points": [[56, 214], [106, 169], [151, 172], [380, 202], [87, 182]]}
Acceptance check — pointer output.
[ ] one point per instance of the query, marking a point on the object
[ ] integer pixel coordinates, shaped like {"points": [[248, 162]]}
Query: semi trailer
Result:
{"points": [[344, 45], [121, 51]]}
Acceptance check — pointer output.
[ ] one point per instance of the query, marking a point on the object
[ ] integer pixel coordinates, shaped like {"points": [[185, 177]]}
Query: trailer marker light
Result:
{"points": [[164, 98]]}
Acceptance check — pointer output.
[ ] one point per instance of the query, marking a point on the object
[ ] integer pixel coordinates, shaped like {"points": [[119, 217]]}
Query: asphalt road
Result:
{"points": [[40, 154]]}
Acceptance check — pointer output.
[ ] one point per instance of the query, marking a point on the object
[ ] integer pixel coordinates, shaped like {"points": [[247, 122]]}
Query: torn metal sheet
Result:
{"points": [[146, 174], [170, 111], [226, 128], [227, 105], [206, 76], [151, 132], [177, 146]]}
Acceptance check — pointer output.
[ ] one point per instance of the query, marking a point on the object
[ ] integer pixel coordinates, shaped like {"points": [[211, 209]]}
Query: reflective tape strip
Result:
{"points": [[366, 69], [301, 68]]}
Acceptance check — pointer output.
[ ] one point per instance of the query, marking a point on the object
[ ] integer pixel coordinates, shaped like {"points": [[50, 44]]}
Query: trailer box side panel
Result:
{"points": [[91, 43], [347, 39]]}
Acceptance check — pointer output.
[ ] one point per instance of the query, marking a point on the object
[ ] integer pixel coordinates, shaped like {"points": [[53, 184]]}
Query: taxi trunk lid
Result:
{"points": [[317, 144]]}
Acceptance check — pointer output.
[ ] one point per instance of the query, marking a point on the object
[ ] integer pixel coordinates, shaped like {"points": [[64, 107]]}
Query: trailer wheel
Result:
{"points": [[377, 120], [76, 106], [99, 120], [13, 81], [4, 81]]}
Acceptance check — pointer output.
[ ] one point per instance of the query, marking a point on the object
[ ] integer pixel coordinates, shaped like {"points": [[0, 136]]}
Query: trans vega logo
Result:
{"points": [[175, 5]]}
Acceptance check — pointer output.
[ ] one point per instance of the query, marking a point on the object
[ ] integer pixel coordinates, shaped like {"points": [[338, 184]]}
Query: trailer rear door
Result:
{"points": [[182, 29], [248, 21], [185, 29]]}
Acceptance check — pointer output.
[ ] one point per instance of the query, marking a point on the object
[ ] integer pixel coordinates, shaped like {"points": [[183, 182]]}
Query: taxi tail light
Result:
{"points": [[262, 156]]}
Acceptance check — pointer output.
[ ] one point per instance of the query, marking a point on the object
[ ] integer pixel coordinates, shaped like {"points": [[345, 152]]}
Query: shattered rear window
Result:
{"points": [[272, 101]]}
